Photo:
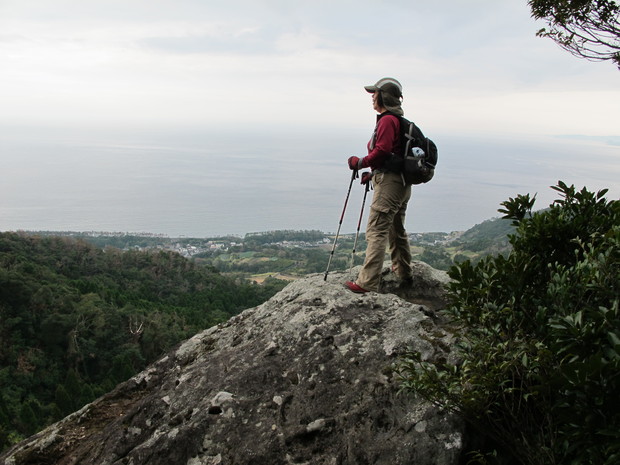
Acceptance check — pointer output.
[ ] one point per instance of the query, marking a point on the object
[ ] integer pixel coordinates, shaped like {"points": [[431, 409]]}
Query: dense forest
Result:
{"points": [[76, 319]]}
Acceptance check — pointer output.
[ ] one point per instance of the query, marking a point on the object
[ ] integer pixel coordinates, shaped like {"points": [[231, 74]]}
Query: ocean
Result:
{"points": [[207, 183]]}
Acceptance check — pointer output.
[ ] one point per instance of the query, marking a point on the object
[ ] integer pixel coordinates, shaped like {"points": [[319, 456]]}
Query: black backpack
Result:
{"points": [[418, 158]]}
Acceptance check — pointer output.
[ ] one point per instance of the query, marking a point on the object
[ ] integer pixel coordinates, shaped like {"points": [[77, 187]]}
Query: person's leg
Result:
{"points": [[400, 252], [377, 234], [387, 199]]}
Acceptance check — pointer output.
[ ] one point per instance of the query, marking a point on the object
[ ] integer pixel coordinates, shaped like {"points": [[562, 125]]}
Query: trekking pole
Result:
{"points": [[359, 224], [346, 200]]}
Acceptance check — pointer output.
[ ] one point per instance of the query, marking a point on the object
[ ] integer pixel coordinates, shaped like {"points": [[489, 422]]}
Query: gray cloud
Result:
{"points": [[250, 44]]}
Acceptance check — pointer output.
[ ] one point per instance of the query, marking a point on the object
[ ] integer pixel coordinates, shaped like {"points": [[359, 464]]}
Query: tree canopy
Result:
{"points": [[586, 28]]}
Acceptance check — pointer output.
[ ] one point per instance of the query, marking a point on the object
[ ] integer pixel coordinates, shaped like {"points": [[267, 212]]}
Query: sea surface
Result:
{"points": [[201, 183]]}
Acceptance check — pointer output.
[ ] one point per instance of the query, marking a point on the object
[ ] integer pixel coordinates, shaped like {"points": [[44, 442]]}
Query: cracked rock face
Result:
{"points": [[305, 378]]}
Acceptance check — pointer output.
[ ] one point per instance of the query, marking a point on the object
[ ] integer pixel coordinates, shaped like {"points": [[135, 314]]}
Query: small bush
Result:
{"points": [[539, 370]]}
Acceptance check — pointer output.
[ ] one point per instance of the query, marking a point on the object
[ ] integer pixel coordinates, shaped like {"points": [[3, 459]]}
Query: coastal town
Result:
{"points": [[190, 247]]}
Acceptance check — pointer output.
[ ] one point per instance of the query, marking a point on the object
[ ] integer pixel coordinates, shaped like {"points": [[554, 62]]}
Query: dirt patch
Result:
{"points": [[78, 433], [260, 279]]}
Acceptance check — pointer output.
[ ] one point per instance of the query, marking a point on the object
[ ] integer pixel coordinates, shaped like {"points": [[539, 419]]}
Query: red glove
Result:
{"points": [[366, 177], [354, 163]]}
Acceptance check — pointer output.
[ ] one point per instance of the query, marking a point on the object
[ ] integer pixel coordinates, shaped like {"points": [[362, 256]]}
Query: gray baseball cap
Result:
{"points": [[388, 85]]}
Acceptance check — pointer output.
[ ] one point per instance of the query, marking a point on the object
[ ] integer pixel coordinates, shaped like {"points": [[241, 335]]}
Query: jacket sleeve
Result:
{"points": [[386, 138]]}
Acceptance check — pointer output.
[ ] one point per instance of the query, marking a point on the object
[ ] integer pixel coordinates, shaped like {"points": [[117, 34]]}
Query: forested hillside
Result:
{"points": [[76, 319]]}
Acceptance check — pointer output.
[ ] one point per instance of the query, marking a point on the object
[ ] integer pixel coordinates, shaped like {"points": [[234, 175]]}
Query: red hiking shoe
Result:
{"points": [[355, 288]]}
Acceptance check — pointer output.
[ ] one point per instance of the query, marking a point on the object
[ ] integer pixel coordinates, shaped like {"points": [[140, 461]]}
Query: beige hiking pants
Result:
{"points": [[386, 226]]}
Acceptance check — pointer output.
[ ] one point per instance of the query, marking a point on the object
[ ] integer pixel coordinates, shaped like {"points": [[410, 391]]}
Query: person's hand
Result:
{"points": [[366, 177], [354, 163]]}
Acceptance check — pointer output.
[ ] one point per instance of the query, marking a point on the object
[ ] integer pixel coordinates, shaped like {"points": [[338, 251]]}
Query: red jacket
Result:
{"points": [[385, 141]]}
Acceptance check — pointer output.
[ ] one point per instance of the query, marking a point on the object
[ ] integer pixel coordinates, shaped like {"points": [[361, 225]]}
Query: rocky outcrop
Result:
{"points": [[305, 378]]}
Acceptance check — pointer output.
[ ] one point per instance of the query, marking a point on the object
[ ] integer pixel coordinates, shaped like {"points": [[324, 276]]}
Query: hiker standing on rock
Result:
{"points": [[386, 221]]}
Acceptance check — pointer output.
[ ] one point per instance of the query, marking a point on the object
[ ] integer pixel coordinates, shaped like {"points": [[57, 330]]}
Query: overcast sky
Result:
{"points": [[141, 115], [466, 66]]}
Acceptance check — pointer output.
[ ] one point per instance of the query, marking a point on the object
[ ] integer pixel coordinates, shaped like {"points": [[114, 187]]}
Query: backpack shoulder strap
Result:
{"points": [[411, 134]]}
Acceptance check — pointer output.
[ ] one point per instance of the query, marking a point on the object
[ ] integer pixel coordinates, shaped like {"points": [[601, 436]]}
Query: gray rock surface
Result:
{"points": [[305, 378]]}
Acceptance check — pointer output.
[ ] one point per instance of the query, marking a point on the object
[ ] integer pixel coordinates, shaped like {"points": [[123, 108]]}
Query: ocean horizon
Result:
{"points": [[196, 183]]}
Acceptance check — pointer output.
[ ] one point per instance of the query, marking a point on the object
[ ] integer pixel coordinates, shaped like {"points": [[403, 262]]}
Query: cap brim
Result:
{"points": [[371, 89]]}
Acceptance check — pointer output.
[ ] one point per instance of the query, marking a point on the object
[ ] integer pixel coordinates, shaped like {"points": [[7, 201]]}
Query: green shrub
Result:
{"points": [[539, 353]]}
